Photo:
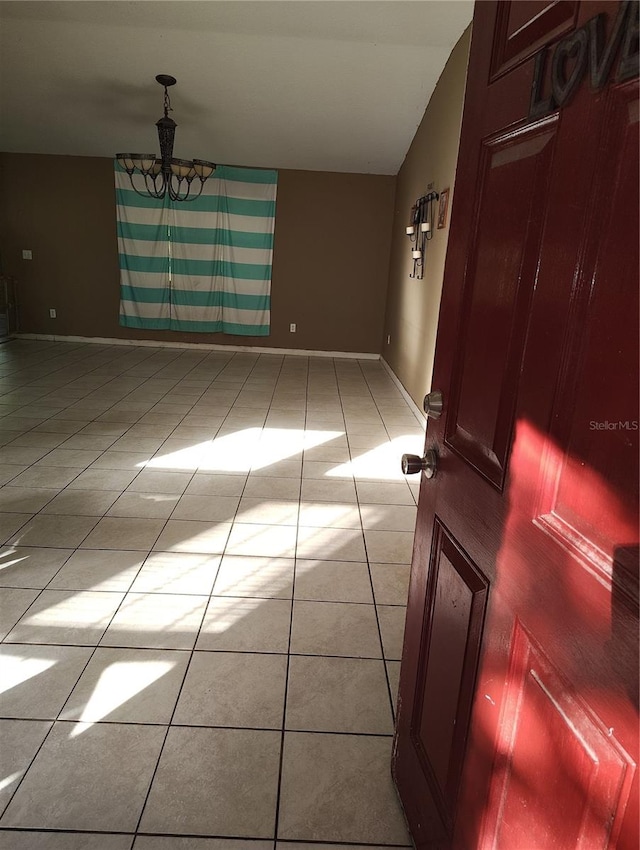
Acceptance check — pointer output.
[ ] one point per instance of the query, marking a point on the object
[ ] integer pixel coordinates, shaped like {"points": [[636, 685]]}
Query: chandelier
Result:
{"points": [[167, 175]]}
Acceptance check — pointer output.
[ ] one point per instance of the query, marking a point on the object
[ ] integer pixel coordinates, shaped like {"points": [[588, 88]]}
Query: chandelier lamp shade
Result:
{"points": [[155, 178]]}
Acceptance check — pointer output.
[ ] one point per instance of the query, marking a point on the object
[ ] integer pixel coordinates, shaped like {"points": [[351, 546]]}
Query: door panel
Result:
{"points": [[548, 741], [517, 724], [593, 412], [514, 172], [448, 664], [522, 26]]}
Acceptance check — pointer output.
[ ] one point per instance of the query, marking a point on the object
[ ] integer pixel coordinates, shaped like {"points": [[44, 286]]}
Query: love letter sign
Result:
{"points": [[586, 48]]}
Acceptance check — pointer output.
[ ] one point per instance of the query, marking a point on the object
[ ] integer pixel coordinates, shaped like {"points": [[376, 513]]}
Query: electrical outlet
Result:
{"points": [[52, 313], [27, 254], [292, 328]]}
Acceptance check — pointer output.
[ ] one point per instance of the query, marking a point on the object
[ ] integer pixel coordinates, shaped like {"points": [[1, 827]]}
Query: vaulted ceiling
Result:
{"points": [[336, 85]]}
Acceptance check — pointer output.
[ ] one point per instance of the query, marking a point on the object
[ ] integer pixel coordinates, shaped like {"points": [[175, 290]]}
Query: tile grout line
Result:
{"points": [[392, 701], [373, 595], [278, 801], [187, 835], [187, 666]]}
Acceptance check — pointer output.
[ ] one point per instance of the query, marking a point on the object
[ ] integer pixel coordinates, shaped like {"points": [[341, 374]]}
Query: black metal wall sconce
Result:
{"points": [[420, 230]]}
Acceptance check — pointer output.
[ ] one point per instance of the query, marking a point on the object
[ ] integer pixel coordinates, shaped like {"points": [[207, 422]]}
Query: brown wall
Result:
{"points": [[330, 263], [412, 305]]}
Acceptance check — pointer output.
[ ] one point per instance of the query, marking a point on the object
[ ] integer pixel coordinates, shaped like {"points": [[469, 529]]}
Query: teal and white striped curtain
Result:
{"points": [[202, 265]]}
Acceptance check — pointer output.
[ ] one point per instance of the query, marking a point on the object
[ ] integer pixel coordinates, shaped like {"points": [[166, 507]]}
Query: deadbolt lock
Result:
{"points": [[432, 404]]}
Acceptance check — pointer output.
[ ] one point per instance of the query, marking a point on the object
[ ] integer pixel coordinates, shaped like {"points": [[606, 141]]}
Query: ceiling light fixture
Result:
{"points": [[166, 175]]}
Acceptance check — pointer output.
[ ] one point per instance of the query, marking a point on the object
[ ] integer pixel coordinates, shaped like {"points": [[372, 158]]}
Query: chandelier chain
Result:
{"points": [[167, 103]]}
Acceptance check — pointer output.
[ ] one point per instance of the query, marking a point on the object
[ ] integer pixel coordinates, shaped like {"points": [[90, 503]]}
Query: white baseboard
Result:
{"points": [[422, 419], [300, 352]]}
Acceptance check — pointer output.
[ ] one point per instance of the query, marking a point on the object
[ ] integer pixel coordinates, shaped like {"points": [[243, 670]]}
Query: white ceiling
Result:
{"points": [[335, 85]]}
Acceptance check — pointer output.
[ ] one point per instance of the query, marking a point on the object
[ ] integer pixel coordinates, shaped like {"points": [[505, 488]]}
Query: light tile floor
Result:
{"points": [[204, 573]]}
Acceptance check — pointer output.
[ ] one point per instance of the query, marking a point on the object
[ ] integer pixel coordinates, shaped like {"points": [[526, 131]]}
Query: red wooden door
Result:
{"points": [[517, 715]]}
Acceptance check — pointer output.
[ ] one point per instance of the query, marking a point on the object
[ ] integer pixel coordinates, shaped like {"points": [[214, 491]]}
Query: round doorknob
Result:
{"points": [[412, 464]]}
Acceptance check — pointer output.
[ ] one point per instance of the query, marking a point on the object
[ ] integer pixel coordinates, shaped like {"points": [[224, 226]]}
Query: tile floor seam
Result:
{"points": [[182, 835], [218, 726], [184, 678], [228, 651], [382, 650], [288, 663], [175, 706]]}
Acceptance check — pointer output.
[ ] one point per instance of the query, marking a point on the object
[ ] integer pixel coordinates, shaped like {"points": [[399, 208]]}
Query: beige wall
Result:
{"points": [[341, 259], [330, 265], [412, 305]]}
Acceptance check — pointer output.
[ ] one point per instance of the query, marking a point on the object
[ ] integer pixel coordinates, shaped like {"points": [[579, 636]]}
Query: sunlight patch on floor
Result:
{"points": [[10, 779], [381, 462], [5, 564], [80, 608], [229, 611], [14, 670], [265, 577], [119, 683], [242, 451]]}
